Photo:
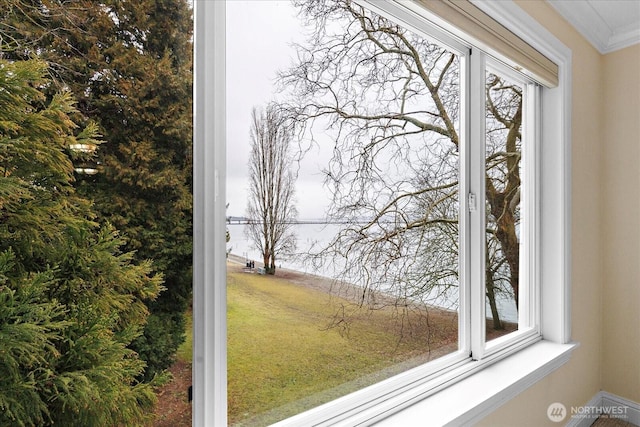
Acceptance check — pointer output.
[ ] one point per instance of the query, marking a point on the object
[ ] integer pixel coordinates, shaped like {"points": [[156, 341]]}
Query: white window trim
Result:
{"points": [[555, 170], [485, 385], [209, 369]]}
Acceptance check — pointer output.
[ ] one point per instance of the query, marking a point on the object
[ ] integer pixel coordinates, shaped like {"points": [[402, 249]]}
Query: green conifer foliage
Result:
{"points": [[71, 301], [128, 65]]}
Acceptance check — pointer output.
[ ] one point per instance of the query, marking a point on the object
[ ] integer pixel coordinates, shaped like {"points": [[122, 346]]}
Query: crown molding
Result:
{"points": [[586, 20]]}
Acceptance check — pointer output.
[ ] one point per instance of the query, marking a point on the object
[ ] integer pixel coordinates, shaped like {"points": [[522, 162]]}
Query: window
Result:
{"points": [[536, 278]]}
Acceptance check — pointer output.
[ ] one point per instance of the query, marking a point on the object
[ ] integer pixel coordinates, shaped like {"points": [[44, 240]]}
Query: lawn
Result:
{"points": [[185, 351], [284, 358]]}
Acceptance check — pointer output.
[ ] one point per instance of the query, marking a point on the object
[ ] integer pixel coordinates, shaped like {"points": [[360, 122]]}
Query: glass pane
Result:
{"points": [[343, 208], [503, 220]]}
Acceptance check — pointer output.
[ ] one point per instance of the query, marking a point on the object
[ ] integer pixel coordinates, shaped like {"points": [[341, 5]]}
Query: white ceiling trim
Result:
{"points": [[589, 23]]}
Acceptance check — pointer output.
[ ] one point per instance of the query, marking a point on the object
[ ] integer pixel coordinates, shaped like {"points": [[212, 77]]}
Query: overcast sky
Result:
{"points": [[259, 35]]}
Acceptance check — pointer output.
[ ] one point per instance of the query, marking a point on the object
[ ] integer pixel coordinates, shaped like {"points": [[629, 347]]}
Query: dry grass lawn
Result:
{"points": [[292, 345]]}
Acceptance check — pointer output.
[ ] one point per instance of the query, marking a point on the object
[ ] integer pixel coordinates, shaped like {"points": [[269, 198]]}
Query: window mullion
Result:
{"points": [[464, 325], [476, 158], [530, 188]]}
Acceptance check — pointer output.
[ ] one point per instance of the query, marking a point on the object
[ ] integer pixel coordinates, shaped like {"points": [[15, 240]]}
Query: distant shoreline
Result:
{"points": [[313, 281], [334, 287], [349, 291]]}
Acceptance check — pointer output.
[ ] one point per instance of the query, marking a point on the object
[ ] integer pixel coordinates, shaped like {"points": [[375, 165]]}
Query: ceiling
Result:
{"points": [[609, 25]]}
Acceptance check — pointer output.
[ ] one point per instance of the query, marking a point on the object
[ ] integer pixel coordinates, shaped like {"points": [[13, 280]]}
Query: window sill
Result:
{"points": [[483, 391]]}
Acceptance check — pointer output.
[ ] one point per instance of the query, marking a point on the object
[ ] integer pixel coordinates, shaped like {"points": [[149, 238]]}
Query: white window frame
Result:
{"points": [[412, 395], [528, 308]]}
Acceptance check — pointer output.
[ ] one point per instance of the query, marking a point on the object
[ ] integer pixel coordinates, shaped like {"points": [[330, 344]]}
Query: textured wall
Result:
{"points": [[620, 212]]}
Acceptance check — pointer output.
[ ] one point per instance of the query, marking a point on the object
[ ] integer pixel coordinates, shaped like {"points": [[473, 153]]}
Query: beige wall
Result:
{"points": [[605, 228], [620, 212]]}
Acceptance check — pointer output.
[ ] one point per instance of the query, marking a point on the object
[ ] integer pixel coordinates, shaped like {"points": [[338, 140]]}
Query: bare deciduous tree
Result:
{"points": [[502, 188], [270, 207], [392, 99]]}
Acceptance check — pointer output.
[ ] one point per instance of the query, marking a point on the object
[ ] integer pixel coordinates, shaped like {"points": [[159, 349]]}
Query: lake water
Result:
{"points": [[306, 235], [320, 234]]}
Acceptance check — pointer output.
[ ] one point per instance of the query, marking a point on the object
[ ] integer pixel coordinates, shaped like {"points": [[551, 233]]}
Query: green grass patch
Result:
{"points": [[185, 351], [284, 358]]}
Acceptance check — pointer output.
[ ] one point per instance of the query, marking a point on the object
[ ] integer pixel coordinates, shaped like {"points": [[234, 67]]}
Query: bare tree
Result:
{"points": [[502, 188], [392, 100], [270, 209]]}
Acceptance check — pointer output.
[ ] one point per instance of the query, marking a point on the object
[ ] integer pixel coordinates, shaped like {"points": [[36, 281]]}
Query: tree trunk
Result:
{"points": [[506, 235], [497, 323], [265, 261]]}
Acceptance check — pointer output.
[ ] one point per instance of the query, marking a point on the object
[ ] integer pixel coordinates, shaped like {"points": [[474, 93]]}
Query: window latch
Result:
{"points": [[472, 202]]}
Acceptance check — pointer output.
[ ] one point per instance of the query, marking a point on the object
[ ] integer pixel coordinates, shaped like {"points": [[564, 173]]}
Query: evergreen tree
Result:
{"points": [[128, 66], [71, 301]]}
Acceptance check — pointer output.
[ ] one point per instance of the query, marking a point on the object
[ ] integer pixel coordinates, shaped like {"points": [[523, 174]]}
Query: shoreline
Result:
{"points": [[354, 293], [337, 288], [312, 281]]}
